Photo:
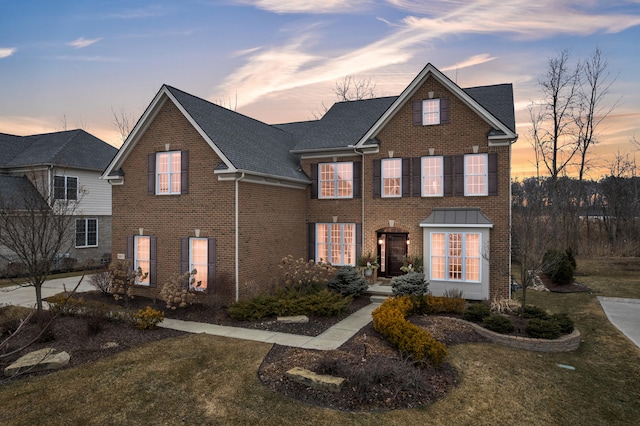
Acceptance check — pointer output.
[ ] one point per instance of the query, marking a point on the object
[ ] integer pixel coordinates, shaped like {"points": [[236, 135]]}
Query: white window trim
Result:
{"points": [[335, 181], [86, 233], [169, 173], [136, 258], [424, 104], [382, 190], [463, 257], [192, 266], [423, 177], [486, 175], [342, 244], [66, 178]]}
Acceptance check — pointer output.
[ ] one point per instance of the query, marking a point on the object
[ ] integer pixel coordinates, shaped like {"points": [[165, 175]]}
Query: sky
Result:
{"points": [[73, 64]]}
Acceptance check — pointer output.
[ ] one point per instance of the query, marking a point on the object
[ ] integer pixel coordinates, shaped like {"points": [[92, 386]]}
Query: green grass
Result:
{"points": [[199, 379]]}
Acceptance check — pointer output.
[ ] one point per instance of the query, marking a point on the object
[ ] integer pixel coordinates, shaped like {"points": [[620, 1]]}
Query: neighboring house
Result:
{"points": [[426, 173], [62, 166]]}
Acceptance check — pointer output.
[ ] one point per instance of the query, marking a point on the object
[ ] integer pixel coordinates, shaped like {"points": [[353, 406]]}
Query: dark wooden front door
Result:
{"points": [[396, 250]]}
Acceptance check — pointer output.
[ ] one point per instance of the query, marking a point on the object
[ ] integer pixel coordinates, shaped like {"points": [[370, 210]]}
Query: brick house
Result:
{"points": [[61, 167], [425, 173]]}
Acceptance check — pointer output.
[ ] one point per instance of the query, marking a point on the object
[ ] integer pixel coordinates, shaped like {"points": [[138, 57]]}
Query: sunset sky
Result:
{"points": [[278, 60]]}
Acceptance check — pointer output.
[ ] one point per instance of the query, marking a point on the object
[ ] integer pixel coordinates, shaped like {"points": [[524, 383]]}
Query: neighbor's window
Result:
{"points": [[475, 174], [142, 257], [455, 256], [391, 177], [336, 243], [168, 172], [335, 180], [432, 177], [65, 188], [86, 232], [430, 112], [198, 260]]}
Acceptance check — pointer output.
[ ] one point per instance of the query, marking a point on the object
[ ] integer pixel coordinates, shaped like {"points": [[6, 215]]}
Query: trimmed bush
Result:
{"points": [[148, 318], [476, 312], [411, 284], [348, 281], [498, 323], [389, 320], [531, 311], [543, 328], [441, 305], [565, 323], [559, 266]]}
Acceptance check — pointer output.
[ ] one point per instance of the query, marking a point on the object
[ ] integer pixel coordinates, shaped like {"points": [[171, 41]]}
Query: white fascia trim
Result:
{"points": [[455, 225], [262, 179], [413, 87]]}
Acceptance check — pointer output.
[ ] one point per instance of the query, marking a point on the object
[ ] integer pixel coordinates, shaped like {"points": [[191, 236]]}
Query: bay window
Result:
{"points": [[455, 256]]}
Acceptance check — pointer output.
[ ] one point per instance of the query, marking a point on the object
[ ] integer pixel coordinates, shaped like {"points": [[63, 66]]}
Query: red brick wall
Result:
{"points": [[465, 130]]}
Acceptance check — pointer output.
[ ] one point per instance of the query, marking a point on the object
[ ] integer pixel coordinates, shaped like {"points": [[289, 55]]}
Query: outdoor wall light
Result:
{"points": [[380, 241]]}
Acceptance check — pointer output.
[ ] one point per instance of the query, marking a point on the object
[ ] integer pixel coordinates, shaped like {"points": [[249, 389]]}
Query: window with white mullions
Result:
{"points": [[475, 174], [392, 177], [335, 180], [455, 256], [65, 188], [86, 232], [432, 176], [168, 172], [198, 260], [430, 112], [142, 258], [335, 243]]}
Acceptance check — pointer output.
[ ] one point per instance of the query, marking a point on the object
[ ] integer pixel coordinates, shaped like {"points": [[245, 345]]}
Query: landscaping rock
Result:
{"points": [[296, 319], [316, 381], [43, 359]]}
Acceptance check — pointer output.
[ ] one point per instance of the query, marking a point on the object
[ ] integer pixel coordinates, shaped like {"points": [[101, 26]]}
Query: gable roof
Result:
{"points": [[72, 148], [18, 193]]}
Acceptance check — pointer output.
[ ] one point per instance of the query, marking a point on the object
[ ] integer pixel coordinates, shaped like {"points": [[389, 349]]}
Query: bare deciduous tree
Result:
{"points": [[349, 89], [123, 122], [35, 227]]}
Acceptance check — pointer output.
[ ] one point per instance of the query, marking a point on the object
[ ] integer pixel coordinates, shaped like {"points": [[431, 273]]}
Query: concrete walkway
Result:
{"points": [[624, 314], [26, 296], [331, 339]]}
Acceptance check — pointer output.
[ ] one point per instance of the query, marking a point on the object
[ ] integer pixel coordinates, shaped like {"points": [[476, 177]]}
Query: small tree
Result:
{"points": [[35, 227], [123, 279]]}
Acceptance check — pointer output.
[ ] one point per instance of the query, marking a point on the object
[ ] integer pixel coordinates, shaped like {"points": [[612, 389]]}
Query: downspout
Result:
{"points": [[237, 239]]}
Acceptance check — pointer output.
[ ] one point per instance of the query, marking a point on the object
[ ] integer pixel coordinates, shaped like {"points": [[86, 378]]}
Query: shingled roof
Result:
{"points": [[72, 148], [498, 100], [17, 194]]}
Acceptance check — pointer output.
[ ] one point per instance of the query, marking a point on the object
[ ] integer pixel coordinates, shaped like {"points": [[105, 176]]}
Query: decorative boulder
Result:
{"points": [[43, 359]]}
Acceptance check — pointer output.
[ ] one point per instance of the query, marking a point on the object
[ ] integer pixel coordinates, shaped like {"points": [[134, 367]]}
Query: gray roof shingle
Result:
{"points": [[72, 148], [498, 100], [247, 143], [18, 193], [456, 217]]}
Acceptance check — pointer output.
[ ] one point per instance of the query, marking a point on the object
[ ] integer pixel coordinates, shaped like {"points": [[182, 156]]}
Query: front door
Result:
{"points": [[396, 251]]}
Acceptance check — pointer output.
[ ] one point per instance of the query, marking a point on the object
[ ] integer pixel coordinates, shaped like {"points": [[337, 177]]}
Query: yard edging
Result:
{"points": [[566, 343]]}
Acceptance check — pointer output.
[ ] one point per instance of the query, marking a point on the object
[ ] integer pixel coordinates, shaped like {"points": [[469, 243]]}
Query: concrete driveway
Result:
{"points": [[624, 314], [26, 296]]}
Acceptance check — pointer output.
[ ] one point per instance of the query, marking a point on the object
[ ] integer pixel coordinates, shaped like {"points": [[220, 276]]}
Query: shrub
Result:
{"points": [[498, 323], [389, 320], [559, 266], [476, 312], [304, 276], [412, 264], [543, 328], [531, 311], [440, 305], [123, 278], [176, 291], [565, 323], [101, 280], [148, 318], [348, 281], [411, 284]]}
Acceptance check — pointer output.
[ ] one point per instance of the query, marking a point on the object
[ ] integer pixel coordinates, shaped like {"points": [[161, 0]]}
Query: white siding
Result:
{"points": [[94, 194]]}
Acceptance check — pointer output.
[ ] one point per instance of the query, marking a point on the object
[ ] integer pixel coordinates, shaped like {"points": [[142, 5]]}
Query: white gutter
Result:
{"points": [[237, 240]]}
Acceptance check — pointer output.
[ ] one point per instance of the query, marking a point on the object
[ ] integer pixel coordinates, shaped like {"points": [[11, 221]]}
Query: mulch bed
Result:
{"points": [[573, 287]]}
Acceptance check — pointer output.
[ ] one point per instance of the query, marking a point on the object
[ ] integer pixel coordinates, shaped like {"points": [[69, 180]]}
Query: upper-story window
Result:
{"points": [[475, 174], [430, 112], [335, 180], [392, 177], [432, 177], [65, 188], [168, 172]]}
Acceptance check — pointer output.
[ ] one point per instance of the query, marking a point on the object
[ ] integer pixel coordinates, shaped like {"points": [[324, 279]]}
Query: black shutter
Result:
{"points": [[152, 260], [416, 177], [417, 113], [459, 175], [312, 241], [406, 177], [184, 172], [184, 255], [358, 241], [211, 264], [447, 175], [377, 180], [314, 180], [357, 179], [129, 252], [445, 116], [493, 173], [151, 170]]}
